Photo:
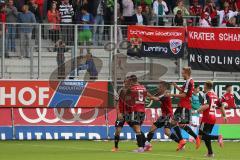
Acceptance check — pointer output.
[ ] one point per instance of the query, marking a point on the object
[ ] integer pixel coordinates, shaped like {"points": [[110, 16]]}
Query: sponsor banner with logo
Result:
{"points": [[49, 123], [156, 41], [53, 94], [214, 49]]}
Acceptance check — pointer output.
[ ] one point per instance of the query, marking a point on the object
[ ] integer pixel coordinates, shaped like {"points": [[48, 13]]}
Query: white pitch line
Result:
{"points": [[146, 153]]}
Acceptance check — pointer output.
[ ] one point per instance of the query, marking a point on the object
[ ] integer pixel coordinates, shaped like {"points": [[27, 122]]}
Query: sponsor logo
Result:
{"points": [[175, 45], [58, 116]]}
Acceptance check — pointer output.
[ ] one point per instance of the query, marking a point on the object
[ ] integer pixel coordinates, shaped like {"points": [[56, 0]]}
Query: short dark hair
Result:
{"points": [[196, 86], [84, 7], [209, 84], [133, 78], [165, 84], [227, 86]]}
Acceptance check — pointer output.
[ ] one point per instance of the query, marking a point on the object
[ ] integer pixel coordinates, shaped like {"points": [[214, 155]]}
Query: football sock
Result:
{"points": [[174, 137], [143, 139], [116, 140], [150, 136], [209, 137], [190, 131], [209, 146], [178, 132], [139, 140]]}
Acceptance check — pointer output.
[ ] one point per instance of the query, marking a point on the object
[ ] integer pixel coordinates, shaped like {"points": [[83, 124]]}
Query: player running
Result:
{"points": [[228, 100], [165, 119], [122, 110], [182, 115], [136, 117], [211, 102]]}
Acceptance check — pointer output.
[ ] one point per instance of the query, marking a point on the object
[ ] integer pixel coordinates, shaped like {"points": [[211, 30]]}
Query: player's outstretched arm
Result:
{"points": [[177, 87], [151, 97]]}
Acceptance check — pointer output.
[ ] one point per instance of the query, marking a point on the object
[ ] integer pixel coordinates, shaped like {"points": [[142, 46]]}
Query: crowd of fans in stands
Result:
{"points": [[205, 13]]}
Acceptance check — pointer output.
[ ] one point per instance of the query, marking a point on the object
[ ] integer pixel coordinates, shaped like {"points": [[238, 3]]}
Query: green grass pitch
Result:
{"points": [[100, 150]]}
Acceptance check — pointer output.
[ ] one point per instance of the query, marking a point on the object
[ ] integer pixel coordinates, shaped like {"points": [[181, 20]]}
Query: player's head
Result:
{"points": [[208, 85], [228, 88], [196, 88], [186, 73], [133, 79], [126, 82], [163, 87]]}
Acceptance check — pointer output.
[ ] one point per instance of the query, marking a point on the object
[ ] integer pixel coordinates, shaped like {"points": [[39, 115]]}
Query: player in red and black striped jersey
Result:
{"points": [[227, 99], [211, 102], [123, 109], [165, 119], [137, 115], [182, 115]]}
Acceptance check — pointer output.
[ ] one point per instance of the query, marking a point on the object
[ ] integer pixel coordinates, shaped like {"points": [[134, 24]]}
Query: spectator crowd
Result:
{"points": [[61, 14]]}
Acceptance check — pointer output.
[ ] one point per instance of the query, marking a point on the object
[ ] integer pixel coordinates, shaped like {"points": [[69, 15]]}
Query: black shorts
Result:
{"points": [[182, 115], [121, 122], [163, 121], [205, 128], [135, 118]]}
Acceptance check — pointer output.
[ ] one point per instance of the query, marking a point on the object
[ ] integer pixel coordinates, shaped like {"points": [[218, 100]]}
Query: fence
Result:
{"points": [[33, 51]]}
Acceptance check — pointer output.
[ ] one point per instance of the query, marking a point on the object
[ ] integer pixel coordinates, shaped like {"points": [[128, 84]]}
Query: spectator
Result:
{"points": [[230, 2], [232, 22], [77, 4], [210, 8], [34, 8], [85, 34], [178, 20], [180, 6], [109, 12], [143, 3], [11, 17], [25, 30], [66, 15], [54, 18], [225, 15], [159, 9], [60, 48], [3, 21], [237, 5], [128, 10], [91, 68], [149, 15], [40, 6], [99, 12], [139, 18], [19, 4], [195, 9], [205, 20]]}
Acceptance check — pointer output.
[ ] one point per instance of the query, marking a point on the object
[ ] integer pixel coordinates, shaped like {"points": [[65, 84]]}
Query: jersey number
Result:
{"points": [[140, 96]]}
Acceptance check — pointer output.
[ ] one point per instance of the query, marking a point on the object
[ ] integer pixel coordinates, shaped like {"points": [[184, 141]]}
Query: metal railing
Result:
{"points": [[31, 51]]}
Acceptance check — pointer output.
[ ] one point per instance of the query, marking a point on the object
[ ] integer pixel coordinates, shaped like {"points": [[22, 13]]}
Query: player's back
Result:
{"points": [[211, 99], [138, 96]]}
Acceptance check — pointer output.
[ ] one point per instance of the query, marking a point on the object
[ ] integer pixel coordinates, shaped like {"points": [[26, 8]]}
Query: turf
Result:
{"points": [[100, 150]]}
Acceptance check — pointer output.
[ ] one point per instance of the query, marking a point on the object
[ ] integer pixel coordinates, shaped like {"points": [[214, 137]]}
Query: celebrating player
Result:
{"points": [[227, 99], [138, 94], [122, 109], [182, 114], [165, 119], [211, 102]]}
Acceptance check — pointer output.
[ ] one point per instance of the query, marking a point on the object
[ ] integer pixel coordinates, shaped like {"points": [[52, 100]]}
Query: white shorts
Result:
{"points": [[195, 121]]}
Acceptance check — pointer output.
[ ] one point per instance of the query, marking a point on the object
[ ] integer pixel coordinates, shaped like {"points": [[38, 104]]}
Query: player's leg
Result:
{"points": [[184, 124], [176, 128], [148, 146], [118, 126], [137, 130], [204, 130], [137, 120]]}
